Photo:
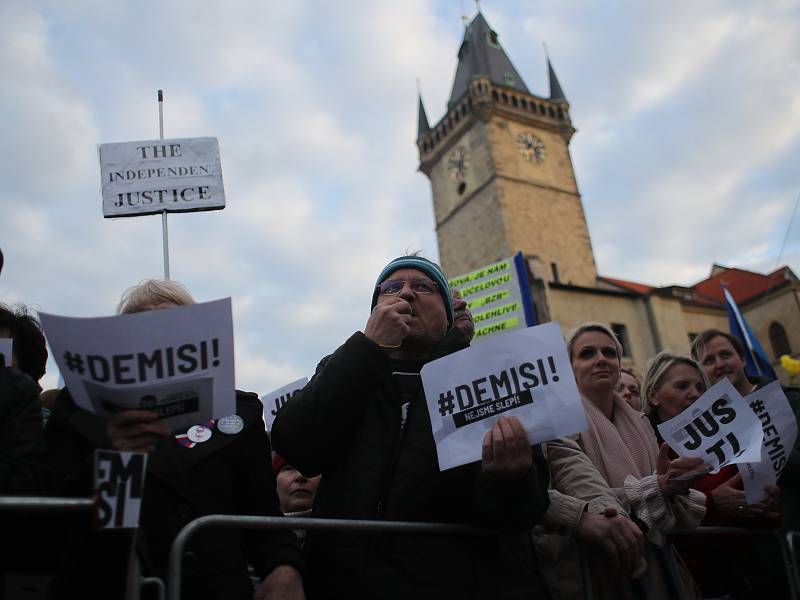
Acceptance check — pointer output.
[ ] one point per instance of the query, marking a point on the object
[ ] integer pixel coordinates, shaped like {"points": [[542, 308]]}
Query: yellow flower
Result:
{"points": [[790, 365]]}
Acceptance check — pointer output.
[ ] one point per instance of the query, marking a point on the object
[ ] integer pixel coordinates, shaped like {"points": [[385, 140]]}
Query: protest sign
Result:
{"points": [[154, 176], [118, 485], [275, 400], [525, 373], [718, 427], [498, 297], [779, 426], [177, 362], [6, 346]]}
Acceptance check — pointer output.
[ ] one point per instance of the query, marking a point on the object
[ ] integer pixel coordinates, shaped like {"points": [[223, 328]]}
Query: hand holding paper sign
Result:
{"points": [[388, 326], [135, 431], [731, 501], [675, 476], [506, 451]]}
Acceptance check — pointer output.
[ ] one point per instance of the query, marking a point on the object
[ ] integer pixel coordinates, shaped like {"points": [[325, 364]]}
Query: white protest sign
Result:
{"points": [[498, 297], [177, 362], [524, 373], [276, 399], [6, 347], [719, 427], [153, 176], [119, 485], [779, 426]]}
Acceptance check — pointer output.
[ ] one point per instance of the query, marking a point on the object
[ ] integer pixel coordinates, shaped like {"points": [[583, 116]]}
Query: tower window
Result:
{"points": [[505, 98], [509, 78], [495, 97], [492, 37], [541, 109], [461, 187], [554, 269], [514, 101], [779, 340], [523, 103], [552, 112], [622, 335]]}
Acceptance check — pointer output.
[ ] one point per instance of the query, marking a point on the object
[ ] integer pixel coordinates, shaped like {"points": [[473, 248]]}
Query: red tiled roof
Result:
{"points": [[743, 285], [639, 288]]}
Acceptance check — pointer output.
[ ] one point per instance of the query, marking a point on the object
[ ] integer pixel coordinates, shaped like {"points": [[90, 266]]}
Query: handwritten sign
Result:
{"points": [[779, 426], [177, 362], [276, 399], [525, 373], [719, 427], [119, 485], [176, 175]]}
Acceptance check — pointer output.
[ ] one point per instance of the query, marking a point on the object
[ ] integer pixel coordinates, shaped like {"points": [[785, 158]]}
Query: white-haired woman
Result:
{"points": [[626, 473]]}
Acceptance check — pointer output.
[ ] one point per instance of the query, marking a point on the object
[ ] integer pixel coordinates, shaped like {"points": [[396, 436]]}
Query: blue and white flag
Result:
{"points": [[756, 363]]}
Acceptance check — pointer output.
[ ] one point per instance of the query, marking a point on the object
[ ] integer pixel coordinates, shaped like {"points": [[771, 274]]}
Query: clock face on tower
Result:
{"points": [[531, 147], [457, 163]]}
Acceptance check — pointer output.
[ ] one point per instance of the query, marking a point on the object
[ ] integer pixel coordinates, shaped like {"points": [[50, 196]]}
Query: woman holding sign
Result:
{"points": [[627, 466], [724, 565]]}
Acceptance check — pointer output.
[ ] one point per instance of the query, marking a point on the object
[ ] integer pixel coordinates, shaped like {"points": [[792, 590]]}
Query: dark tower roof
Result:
{"points": [[556, 93], [481, 54], [422, 121]]}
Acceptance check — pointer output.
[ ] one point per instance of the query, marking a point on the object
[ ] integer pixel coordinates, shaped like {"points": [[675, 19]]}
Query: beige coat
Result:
{"points": [[577, 486]]}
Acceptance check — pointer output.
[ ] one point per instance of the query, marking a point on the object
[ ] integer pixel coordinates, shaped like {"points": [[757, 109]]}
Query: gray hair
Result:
{"points": [[586, 328], [657, 369], [152, 292]]}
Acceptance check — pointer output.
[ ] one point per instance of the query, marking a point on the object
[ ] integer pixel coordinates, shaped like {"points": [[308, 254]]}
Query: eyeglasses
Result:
{"points": [[393, 287]]}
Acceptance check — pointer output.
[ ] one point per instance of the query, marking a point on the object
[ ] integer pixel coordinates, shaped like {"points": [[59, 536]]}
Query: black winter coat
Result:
{"points": [[228, 474], [346, 425]]}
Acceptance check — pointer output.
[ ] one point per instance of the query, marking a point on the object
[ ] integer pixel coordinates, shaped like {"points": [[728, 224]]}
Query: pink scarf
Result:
{"points": [[622, 447]]}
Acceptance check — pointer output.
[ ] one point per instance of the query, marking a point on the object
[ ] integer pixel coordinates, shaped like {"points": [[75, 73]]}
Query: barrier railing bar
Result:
{"points": [[250, 522], [785, 548], [36, 503], [155, 582], [790, 537]]}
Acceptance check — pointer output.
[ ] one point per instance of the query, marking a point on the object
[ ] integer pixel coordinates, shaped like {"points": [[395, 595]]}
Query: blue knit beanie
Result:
{"points": [[431, 269]]}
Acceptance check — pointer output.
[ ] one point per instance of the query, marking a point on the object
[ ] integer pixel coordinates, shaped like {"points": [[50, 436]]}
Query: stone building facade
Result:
{"points": [[502, 181]]}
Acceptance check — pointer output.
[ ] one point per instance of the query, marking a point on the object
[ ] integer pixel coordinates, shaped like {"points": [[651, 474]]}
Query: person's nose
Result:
{"points": [[300, 478], [406, 292]]}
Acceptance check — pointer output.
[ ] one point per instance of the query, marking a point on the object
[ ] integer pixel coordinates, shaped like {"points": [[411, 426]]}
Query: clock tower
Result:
{"points": [[500, 169]]}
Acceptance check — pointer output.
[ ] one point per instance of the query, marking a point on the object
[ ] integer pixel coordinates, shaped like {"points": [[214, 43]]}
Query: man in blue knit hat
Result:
{"points": [[362, 422]]}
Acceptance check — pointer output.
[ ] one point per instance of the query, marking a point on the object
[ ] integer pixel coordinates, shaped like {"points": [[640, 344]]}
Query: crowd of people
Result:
{"points": [[594, 509]]}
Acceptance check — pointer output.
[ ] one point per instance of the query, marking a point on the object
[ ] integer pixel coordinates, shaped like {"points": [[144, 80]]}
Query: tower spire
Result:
{"points": [[556, 93], [423, 127]]}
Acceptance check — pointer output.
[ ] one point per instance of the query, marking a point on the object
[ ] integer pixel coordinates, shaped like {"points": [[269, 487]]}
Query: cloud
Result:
{"points": [[687, 118]]}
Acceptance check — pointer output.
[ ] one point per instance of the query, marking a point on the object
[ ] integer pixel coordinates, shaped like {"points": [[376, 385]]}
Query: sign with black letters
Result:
{"points": [[718, 427], [119, 486], [176, 362], [779, 426], [277, 398], [155, 176], [524, 373]]}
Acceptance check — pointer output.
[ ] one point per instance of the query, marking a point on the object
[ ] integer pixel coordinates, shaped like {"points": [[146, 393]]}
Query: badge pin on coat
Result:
{"points": [[230, 425], [196, 435]]}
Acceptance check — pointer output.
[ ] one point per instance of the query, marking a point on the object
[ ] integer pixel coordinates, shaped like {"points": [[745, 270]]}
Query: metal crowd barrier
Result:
{"points": [[788, 545], [787, 553], [51, 504], [246, 522], [793, 543]]}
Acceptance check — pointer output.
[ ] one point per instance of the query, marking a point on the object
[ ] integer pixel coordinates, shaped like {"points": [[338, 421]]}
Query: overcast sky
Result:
{"points": [[688, 118]]}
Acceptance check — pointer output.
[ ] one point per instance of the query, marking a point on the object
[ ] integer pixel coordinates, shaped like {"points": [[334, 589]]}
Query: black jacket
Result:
{"points": [[228, 474], [23, 469], [346, 425]]}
